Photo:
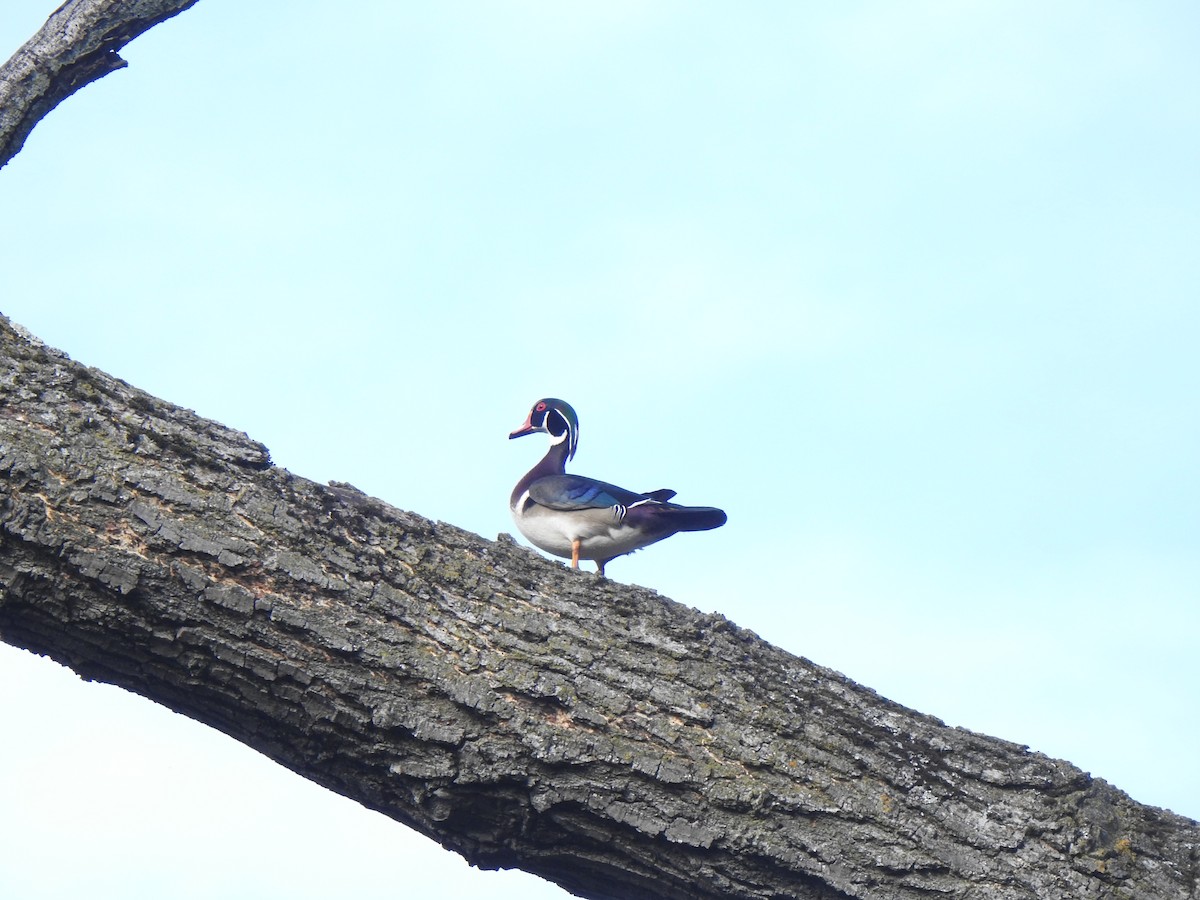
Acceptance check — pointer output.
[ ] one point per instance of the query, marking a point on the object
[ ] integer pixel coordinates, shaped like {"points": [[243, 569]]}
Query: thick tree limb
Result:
{"points": [[522, 714], [77, 45]]}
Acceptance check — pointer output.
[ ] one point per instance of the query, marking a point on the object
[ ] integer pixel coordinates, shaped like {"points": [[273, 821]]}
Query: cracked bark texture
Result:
{"points": [[522, 714], [77, 45]]}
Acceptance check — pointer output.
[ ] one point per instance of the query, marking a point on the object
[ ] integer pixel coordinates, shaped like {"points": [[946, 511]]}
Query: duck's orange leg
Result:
{"points": [[575, 545]]}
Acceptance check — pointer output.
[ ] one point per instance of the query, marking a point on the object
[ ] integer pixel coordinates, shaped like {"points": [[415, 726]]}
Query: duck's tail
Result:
{"points": [[693, 518]]}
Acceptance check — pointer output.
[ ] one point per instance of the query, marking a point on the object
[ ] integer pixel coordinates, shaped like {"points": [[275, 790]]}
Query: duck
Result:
{"points": [[580, 518]]}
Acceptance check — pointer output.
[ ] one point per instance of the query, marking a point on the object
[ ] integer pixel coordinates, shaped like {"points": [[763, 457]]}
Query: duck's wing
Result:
{"points": [[575, 492], [662, 495]]}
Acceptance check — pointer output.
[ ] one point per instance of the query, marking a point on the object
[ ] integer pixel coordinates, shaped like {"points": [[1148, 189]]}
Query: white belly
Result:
{"points": [[599, 531]]}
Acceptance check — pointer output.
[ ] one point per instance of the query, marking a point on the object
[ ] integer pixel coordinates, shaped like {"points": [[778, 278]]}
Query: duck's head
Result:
{"points": [[555, 418]]}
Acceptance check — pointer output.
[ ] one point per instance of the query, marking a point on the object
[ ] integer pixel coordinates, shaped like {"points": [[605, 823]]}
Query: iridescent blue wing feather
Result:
{"points": [[574, 492]]}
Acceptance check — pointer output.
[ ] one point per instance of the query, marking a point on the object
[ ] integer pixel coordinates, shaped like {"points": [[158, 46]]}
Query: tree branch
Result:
{"points": [[521, 714], [77, 45]]}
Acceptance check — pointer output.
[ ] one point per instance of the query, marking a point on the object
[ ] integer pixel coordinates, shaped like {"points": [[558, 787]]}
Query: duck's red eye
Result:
{"points": [[541, 406]]}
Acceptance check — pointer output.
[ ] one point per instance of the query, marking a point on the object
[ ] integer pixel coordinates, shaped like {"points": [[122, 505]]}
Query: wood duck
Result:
{"points": [[581, 518]]}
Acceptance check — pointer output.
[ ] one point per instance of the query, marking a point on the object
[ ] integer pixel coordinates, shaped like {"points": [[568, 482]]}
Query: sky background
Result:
{"points": [[911, 290]]}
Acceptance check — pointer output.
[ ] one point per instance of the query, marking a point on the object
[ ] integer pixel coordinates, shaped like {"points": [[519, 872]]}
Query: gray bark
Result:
{"points": [[522, 714], [77, 45]]}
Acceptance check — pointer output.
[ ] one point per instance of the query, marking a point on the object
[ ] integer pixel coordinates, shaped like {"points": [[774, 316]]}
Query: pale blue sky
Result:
{"points": [[911, 290]]}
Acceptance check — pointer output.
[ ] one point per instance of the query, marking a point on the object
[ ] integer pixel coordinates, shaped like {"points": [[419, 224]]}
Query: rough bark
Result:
{"points": [[77, 45], [522, 714]]}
